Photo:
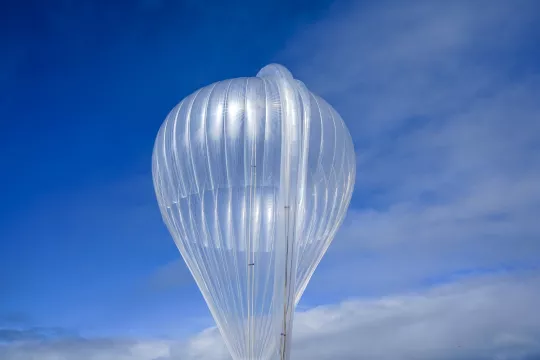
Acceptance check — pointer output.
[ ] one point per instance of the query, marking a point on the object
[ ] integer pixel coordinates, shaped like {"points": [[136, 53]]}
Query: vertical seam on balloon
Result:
{"points": [[264, 323], [333, 173], [209, 254], [237, 241], [230, 192], [305, 105], [182, 241], [319, 169], [205, 276], [247, 234]]}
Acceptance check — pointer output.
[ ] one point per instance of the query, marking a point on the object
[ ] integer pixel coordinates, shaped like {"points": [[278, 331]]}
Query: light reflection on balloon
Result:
{"points": [[253, 177]]}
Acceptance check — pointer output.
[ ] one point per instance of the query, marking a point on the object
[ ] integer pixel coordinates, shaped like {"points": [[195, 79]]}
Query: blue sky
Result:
{"points": [[442, 102], [87, 85]]}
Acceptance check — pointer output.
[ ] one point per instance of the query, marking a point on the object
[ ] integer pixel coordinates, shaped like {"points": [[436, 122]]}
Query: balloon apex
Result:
{"points": [[275, 70]]}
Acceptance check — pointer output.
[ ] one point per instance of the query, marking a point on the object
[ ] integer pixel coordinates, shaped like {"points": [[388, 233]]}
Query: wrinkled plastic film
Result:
{"points": [[253, 177]]}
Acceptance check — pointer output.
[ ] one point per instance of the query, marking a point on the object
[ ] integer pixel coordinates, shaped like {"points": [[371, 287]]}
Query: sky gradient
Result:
{"points": [[439, 255]]}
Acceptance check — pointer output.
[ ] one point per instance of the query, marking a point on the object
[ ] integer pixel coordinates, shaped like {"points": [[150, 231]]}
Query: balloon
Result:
{"points": [[253, 177]]}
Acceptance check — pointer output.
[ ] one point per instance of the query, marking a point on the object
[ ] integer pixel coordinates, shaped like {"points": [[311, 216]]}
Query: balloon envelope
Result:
{"points": [[253, 177]]}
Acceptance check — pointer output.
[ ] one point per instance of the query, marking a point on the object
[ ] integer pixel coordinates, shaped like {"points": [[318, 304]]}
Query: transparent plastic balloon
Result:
{"points": [[253, 177]]}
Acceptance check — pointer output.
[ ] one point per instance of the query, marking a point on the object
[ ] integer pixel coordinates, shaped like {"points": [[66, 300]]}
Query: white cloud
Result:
{"points": [[490, 319], [462, 320], [83, 349], [485, 318]]}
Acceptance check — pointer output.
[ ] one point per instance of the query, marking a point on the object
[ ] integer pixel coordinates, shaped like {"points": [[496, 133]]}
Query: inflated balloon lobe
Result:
{"points": [[253, 177]]}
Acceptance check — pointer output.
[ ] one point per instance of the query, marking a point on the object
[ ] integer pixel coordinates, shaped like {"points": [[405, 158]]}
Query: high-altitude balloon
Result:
{"points": [[253, 177]]}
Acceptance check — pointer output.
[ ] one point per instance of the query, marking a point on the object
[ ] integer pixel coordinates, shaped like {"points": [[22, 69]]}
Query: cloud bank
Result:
{"points": [[490, 317]]}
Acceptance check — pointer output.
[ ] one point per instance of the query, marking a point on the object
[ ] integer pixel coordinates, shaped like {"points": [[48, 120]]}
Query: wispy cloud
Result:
{"points": [[11, 335], [170, 275], [442, 104], [383, 64]]}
